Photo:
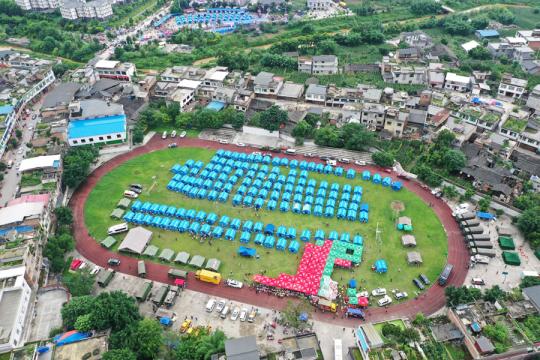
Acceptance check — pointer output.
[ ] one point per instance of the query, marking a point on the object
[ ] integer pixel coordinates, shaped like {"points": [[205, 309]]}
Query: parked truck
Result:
{"points": [[160, 295], [485, 252], [465, 216], [469, 223], [323, 304], [208, 276], [473, 230], [105, 277], [144, 290], [478, 237], [483, 244]]}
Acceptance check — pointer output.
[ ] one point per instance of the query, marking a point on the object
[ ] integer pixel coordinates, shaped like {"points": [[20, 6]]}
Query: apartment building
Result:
{"points": [[320, 4], [395, 121], [514, 124], [79, 9], [457, 83], [321, 65], [511, 87], [37, 4], [532, 37], [316, 94], [398, 74], [529, 138], [108, 69], [533, 101], [178, 73], [373, 116], [265, 84]]}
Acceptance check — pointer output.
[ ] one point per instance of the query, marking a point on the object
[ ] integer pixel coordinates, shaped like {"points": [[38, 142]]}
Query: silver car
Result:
{"points": [[235, 313]]}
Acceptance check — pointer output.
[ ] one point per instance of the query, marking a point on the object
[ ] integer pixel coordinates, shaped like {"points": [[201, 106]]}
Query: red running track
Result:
{"points": [[428, 303]]}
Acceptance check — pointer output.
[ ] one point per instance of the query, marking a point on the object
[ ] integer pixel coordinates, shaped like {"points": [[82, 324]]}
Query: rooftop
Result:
{"points": [[9, 305], [136, 240], [40, 162], [457, 78], [107, 64], [533, 294], [17, 213], [62, 94], [314, 89], [244, 348], [96, 127], [516, 125], [94, 108]]}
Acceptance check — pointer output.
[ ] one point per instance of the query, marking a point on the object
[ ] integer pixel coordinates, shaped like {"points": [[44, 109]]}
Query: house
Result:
{"points": [[38, 4], [417, 118], [316, 94], [484, 345], [242, 100], [486, 118], [109, 69], [456, 82], [499, 49], [96, 121], [436, 75], [511, 87], [397, 74], [79, 9], [529, 138], [470, 45], [55, 103], [244, 348], [531, 67], [411, 54], [514, 124], [527, 163], [417, 39], [373, 116], [164, 89], [320, 4], [321, 64], [178, 73], [522, 54], [291, 91], [533, 101], [395, 122], [338, 97], [215, 77], [225, 95], [183, 97], [15, 307], [532, 38], [487, 34], [265, 84]]}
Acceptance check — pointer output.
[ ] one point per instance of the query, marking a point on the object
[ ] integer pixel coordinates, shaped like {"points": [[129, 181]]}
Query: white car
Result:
{"points": [[235, 313], [480, 259], [379, 292], [401, 295], [360, 163], [256, 153], [331, 162], [164, 136], [95, 270], [183, 134], [243, 314], [386, 300], [363, 294], [220, 305], [223, 141], [234, 283], [173, 134], [241, 144]]}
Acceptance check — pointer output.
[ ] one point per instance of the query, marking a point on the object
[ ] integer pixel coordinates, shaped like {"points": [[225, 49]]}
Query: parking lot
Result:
{"points": [[47, 313]]}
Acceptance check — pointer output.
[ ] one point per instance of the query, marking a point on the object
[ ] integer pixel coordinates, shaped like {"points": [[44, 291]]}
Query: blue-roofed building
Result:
{"points": [[96, 121], [5, 109], [487, 34]]}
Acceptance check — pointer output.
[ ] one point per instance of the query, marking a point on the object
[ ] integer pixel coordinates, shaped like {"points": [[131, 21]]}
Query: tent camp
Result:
{"points": [[259, 239], [245, 237], [319, 235], [397, 185], [117, 213], [136, 240], [269, 242], [213, 264], [258, 227], [358, 240], [414, 258], [217, 232], [124, 203], [306, 235], [130, 216], [511, 258], [377, 179], [197, 261], [108, 242], [333, 236], [151, 251], [166, 255], [182, 257], [351, 174], [230, 234], [294, 246], [380, 266], [281, 244], [366, 175]]}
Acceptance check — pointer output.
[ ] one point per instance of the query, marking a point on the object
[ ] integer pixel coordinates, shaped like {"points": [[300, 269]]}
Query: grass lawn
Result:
{"points": [[152, 170], [379, 326]]}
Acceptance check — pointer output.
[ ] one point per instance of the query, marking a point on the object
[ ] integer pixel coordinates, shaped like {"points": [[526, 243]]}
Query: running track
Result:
{"points": [[428, 303]]}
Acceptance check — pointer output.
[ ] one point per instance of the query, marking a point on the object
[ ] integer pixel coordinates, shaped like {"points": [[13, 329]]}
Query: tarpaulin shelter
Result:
{"points": [[345, 197], [154, 209], [485, 215], [358, 240], [246, 251], [269, 242], [380, 266], [319, 234], [387, 181], [377, 179], [269, 229], [353, 206], [408, 240], [306, 209], [245, 237], [294, 246], [333, 195], [303, 174], [271, 205], [281, 231], [333, 236], [259, 239], [364, 217], [299, 190], [197, 261], [217, 232], [297, 208], [175, 168], [284, 206], [266, 160], [230, 234], [70, 337], [404, 223], [414, 258], [291, 233], [345, 237], [235, 224], [351, 174], [312, 183], [506, 243], [182, 257], [156, 221], [281, 244], [511, 258]]}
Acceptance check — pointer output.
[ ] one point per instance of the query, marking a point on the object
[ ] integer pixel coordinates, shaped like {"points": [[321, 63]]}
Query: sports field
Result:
{"points": [[152, 171]]}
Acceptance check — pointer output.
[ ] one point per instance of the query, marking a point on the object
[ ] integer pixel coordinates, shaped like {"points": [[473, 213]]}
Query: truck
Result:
{"points": [[485, 252], [160, 295], [469, 223], [141, 269], [178, 274], [478, 237], [357, 313], [144, 290], [445, 275], [465, 216], [483, 244], [473, 230], [323, 304], [105, 277], [208, 276], [170, 299]]}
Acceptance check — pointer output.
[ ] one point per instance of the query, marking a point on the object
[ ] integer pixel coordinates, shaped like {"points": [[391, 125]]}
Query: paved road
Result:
{"points": [[428, 303]]}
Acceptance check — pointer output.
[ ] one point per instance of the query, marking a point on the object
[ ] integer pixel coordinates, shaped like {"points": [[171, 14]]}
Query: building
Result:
{"points": [[532, 37], [96, 121], [178, 73], [395, 122], [511, 87], [533, 295], [37, 4], [321, 64], [320, 4], [15, 303], [108, 69], [56, 102], [533, 101], [291, 91], [487, 34], [373, 116], [316, 94], [94, 346], [244, 348], [265, 84], [411, 54], [50, 165], [417, 39], [79, 9], [398, 74], [183, 97], [212, 80], [499, 49], [514, 124], [529, 138], [458, 83]]}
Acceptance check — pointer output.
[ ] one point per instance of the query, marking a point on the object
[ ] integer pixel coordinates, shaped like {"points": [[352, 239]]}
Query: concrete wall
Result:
{"points": [[260, 132]]}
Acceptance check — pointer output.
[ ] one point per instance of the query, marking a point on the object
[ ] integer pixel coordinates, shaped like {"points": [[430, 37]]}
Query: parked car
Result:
{"points": [[173, 134], [113, 262], [210, 305], [136, 186], [424, 279], [360, 163], [478, 281], [241, 144], [95, 270], [223, 141], [220, 305], [401, 295], [418, 284], [164, 135], [378, 292], [243, 314], [257, 153], [385, 300], [252, 315], [331, 162], [183, 134], [364, 294], [480, 259], [234, 283], [172, 145], [135, 190], [345, 160], [235, 313], [131, 194], [309, 155]]}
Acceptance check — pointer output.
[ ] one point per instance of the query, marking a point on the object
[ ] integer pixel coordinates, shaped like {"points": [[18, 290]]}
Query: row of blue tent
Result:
{"points": [[378, 179]]}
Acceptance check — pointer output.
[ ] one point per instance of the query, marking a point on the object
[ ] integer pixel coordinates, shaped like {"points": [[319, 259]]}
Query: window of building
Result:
{"points": [[83, 141], [75, 142], [109, 137], [118, 136], [91, 140], [101, 138]]}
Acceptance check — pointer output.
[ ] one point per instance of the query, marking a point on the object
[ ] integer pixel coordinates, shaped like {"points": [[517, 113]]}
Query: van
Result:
{"points": [[141, 269], [164, 136], [290, 151], [224, 312], [478, 281], [117, 229], [10, 164], [331, 162], [345, 160], [173, 134], [131, 194], [210, 305], [445, 275]]}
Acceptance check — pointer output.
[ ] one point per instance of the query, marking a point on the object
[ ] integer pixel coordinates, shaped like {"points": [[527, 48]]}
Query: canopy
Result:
{"points": [[485, 215], [182, 257], [380, 266], [294, 246], [269, 242], [213, 264], [408, 240], [281, 244], [69, 337], [414, 257], [366, 175], [247, 252]]}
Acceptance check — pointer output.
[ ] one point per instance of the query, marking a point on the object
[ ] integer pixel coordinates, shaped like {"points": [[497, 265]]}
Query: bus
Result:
{"points": [[141, 269], [117, 229], [445, 275], [144, 290], [178, 274]]}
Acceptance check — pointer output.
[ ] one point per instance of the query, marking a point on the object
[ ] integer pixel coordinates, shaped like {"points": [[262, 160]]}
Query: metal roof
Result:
{"points": [[97, 126], [244, 348], [136, 240]]}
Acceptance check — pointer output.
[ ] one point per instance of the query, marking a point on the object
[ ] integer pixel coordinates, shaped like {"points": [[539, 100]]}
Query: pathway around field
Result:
{"points": [[428, 303]]}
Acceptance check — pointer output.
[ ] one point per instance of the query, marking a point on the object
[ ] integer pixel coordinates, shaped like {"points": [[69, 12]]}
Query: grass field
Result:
{"points": [[152, 170]]}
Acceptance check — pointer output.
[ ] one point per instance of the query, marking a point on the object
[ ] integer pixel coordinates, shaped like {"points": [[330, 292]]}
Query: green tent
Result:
{"points": [[197, 261], [506, 243], [511, 258], [108, 242], [117, 213], [123, 203], [151, 250], [166, 255]]}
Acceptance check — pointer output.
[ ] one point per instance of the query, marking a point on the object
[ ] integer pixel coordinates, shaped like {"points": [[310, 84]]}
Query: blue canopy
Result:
{"points": [[247, 252], [311, 166], [358, 240], [380, 266], [396, 186], [230, 234], [333, 235], [245, 237], [217, 232], [485, 215]]}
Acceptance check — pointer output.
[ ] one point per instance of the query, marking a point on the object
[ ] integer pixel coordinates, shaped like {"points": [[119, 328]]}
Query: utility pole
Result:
{"points": [[378, 237]]}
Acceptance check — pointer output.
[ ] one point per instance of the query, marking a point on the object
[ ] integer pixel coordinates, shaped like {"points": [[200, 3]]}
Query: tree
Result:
{"points": [[529, 281], [79, 283], [272, 118], [383, 159], [356, 137], [77, 306], [64, 216], [461, 295], [149, 339], [119, 354], [484, 203], [55, 250], [498, 333], [454, 160], [114, 310], [77, 164], [138, 134], [60, 69], [529, 224], [445, 138], [495, 293], [328, 136], [18, 134], [303, 130], [83, 323], [450, 192], [424, 7], [480, 53], [327, 47]]}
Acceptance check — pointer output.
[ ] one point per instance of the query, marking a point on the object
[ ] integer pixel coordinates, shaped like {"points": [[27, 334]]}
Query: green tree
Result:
{"points": [[499, 334], [383, 158], [328, 136], [484, 203], [424, 7], [114, 310], [356, 137], [303, 130], [327, 47], [18, 134], [445, 138], [64, 216], [454, 160], [77, 163], [119, 354], [272, 118], [529, 281], [76, 307], [83, 323], [79, 283], [149, 335], [56, 249], [529, 224], [450, 192], [495, 293]]}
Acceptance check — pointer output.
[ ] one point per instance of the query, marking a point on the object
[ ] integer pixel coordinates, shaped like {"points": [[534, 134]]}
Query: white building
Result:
{"points": [[37, 4], [183, 97], [108, 69], [316, 93], [322, 64], [79, 9], [458, 83], [15, 300], [320, 4], [533, 101], [511, 87]]}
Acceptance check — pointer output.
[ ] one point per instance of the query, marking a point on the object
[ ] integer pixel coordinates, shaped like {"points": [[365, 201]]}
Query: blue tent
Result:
{"points": [[235, 224], [306, 235], [303, 165], [334, 187], [347, 188], [341, 214], [138, 219], [272, 204], [308, 200], [247, 252], [275, 161], [293, 164], [306, 209], [248, 226], [263, 194], [299, 190], [352, 284], [259, 239], [171, 210], [366, 175], [319, 235], [258, 227], [146, 206], [328, 169], [343, 204], [248, 201], [281, 231], [312, 183], [380, 266], [274, 195], [269, 229], [230, 234], [211, 218], [284, 162], [176, 168], [243, 188], [286, 197], [281, 244], [217, 232], [333, 236], [171, 185], [165, 223], [311, 166], [245, 237], [302, 182], [157, 221], [290, 180], [387, 181], [333, 195], [329, 212], [281, 179], [294, 246], [201, 216], [345, 196], [338, 171], [351, 174], [190, 214], [396, 185], [184, 226], [310, 191], [363, 216], [147, 220], [351, 215], [128, 217], [358, 240], [205, 230], [224, 221], [284, 206], [154, 208], [377, 179], [345, 237], [318, 210], [303, 174], [297, 208], [269, 242], [291, 233], [364, 207], [266, 160], [223, 196], [194, 228], [356, 199]]}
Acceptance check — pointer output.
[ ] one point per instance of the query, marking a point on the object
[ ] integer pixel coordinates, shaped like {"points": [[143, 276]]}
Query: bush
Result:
{"points": [[383, 159]]}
